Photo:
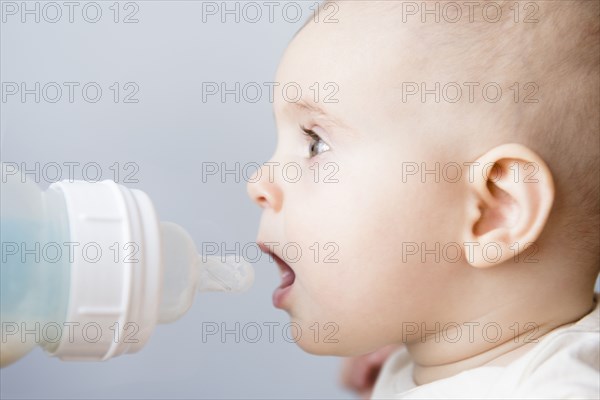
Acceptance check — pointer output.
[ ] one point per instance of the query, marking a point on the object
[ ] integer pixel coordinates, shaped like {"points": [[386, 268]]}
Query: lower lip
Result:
{"points": [[279, 296]]}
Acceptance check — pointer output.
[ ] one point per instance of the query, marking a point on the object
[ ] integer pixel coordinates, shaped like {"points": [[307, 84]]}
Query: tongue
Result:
{"points": [[287, 278]]}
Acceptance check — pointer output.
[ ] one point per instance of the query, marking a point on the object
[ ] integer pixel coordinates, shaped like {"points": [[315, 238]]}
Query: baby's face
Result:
{"points": [[353, 221]]}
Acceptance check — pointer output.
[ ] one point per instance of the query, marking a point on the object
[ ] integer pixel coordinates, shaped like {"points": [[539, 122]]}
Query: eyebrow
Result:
{"points": [[329, 121], [314, 109]]}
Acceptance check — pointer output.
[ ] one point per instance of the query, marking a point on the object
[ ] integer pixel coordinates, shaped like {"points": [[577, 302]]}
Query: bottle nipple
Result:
{"points": [[224, 274]]}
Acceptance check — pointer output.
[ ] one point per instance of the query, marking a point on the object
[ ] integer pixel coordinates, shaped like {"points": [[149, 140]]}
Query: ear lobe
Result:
{"points": [[512, 194]]}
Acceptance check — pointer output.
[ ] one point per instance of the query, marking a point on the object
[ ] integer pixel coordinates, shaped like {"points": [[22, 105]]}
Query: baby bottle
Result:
{"points": [[88, 270]]}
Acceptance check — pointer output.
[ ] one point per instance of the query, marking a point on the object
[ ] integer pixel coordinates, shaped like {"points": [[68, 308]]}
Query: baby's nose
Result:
{"points": [[264, 190]]}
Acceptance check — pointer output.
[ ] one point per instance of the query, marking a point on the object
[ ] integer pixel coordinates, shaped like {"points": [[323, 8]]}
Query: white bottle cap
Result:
{"points": [[113, 292]]}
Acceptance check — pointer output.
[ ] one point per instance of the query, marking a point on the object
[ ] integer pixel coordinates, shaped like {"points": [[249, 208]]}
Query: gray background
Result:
{"points": [[168, 134]]}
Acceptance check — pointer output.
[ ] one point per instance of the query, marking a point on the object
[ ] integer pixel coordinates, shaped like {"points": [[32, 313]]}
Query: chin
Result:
{"points": [[326, 341], [322, 349]]}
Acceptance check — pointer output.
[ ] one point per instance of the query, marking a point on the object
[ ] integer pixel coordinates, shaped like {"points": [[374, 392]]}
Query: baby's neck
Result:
{"points": [[495, 339]]}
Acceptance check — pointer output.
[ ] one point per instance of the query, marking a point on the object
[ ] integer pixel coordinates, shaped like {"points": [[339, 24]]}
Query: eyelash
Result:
{"points": [[315, 139]]}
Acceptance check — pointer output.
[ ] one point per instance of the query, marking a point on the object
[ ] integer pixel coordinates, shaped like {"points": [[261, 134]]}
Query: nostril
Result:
{"points": [[262, 201], [258, 195]]}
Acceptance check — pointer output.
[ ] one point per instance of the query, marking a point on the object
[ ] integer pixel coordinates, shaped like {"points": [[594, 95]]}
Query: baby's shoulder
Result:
{"points": [[565, 364]]}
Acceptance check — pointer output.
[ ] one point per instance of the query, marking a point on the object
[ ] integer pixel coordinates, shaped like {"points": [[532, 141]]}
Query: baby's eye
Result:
{"points": [[316, 145]]}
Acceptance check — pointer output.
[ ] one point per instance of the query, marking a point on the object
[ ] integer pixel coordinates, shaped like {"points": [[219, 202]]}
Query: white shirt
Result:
{"points": [[564, 364]]}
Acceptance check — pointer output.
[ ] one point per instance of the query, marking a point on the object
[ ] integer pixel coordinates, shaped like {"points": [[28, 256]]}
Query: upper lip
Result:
{"points": [[280, 262]]}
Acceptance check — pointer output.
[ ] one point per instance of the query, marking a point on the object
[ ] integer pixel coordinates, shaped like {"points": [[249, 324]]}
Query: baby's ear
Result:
{"points": [[512, 194]]}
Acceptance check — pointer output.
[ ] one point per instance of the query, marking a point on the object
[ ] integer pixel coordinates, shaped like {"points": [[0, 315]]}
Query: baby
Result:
{"points": [[446, 193]]}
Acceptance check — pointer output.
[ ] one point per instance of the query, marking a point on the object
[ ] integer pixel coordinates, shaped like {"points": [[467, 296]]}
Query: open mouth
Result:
{"points": [[288, 276]]}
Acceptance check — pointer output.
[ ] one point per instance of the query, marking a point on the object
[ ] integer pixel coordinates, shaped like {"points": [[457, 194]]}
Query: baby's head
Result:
{"points": [[419, 203]]}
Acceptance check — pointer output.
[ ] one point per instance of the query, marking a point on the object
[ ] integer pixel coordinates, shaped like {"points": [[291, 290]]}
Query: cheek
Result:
{"points": [[351, 233]]}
